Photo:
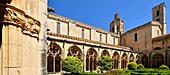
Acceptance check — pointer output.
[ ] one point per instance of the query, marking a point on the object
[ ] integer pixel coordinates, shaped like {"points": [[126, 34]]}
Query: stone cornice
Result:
{"points": [[85, 40], [17, 17], [161, 38]]}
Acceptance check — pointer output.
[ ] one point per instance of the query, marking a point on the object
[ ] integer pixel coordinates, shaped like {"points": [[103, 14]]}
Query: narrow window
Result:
{"points": [[113, 41], [58, 27], [157, 13], [136, 37], [118, 29], [113, 29], [158, 20], [82, 34], [158, 32], [100, 37]]}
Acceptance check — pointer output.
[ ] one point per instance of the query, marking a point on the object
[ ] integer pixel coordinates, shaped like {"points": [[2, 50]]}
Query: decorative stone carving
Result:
{"points": [[17, 17]]}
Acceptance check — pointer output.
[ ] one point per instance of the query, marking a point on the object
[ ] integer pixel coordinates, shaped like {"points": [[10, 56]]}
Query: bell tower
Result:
{"points": [[159, 15], [117, 25]]}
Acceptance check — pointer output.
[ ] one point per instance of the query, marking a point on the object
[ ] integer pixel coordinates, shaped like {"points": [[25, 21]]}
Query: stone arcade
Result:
{"points": [[35, 41]]}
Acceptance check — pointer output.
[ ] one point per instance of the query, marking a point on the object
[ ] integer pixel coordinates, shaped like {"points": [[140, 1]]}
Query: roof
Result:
{"points": [[153, 23]]}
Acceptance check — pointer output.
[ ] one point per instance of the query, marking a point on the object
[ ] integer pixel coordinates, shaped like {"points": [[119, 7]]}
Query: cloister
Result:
{"points": [[87, 54]]}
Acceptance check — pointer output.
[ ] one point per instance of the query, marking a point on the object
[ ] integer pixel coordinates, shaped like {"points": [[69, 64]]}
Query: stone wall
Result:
{"points": [[23, 47]]}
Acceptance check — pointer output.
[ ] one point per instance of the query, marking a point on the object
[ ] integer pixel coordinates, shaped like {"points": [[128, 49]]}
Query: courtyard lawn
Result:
{"points": [[145, 71]]}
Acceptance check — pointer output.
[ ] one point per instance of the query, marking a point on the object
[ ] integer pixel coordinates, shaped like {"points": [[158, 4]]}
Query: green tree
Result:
{"points": [[72, 64], [132, 66], [104, 63]]}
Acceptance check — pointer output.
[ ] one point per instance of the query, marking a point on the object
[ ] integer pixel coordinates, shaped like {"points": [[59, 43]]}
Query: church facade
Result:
{"points": [[35, 41]]}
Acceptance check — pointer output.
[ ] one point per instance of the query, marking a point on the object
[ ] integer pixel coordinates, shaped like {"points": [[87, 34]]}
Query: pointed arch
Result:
{"points": [[157, 60], [124, 61], [157, 48], [54, 58], [145, 61], [131, 59], [91, 59], [116, 61], [75, 51], [105, 53]]}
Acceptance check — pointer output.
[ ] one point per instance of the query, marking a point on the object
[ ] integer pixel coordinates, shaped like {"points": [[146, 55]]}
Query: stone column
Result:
{"points": [[119, 63], [127, 62], [42, 17], [84, 59]]}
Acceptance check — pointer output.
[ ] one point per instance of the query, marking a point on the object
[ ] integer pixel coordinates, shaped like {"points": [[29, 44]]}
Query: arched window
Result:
{"points": [[113, 41], [58, 27], [105, 53], [91, 60], [135, 37], [157, 13], [131, 59], [124, 61], [82, 34], [75, 51], [145, 60], [113, 29], [118, 29], [53, 58], [116, 61], [157, 60], [100, 37]]}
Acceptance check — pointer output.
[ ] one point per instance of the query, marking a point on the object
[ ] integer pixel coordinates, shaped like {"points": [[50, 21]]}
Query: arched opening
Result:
{"points": [[124, 61], [145, 60], [105, 53], [169, 47], [91, 59], [50, 63], [137, 59], [157, 48], [113, 29], [157, 60], [75, 51], [53, 58], [116, 61], [131, 59]]}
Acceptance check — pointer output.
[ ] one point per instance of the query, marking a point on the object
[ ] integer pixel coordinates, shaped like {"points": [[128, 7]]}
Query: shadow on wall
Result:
{"points": [[5, 1], [0, 35], [2, 9]]}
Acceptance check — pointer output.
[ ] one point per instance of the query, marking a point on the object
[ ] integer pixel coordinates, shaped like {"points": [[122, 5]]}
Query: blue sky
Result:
{"points": [[99, 13]]}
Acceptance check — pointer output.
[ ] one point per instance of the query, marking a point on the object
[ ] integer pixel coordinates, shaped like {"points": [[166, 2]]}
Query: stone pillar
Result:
{"points": [[84, 59], [119, 63], [42, 17], [127, 61]]}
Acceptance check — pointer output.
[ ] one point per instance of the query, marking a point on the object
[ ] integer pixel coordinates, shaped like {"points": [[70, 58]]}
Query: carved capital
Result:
{"points": [[17, 17]]}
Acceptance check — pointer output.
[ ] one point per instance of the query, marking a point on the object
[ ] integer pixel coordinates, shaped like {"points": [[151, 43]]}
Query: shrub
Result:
{"points": [[132, 66], [89, 73], [104, 63], [140, 66], [72, 64], [83, 73], [164, 67]]}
